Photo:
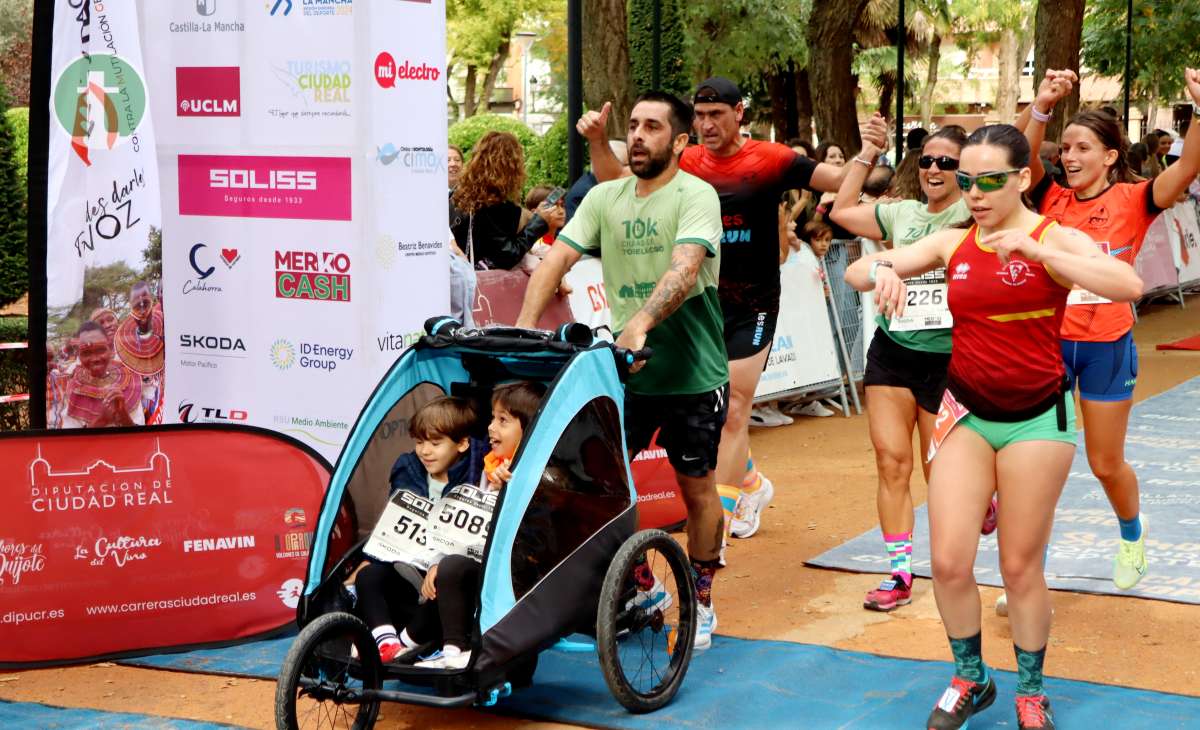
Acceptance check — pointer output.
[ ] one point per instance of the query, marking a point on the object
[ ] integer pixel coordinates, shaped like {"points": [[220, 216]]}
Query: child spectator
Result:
{"points": [[452, 585], [445, 453]]}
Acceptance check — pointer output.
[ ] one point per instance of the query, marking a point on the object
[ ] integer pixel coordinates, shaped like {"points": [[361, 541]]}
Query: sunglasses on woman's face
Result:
{"points": [[988, 182], [944, 163]]}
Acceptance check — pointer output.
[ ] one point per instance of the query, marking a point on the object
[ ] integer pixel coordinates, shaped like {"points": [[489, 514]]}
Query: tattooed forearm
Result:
{"points": [[675, 284]]}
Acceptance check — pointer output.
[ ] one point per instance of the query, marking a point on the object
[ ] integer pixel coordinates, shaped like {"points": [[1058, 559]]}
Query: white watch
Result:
{"points": [[875, 267]]}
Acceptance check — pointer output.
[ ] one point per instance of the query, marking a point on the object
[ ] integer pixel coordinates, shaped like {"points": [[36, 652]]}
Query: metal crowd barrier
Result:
{"points": [[845, 311]]}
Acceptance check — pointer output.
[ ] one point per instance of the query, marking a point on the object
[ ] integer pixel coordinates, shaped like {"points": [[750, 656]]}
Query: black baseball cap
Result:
{"points": [[717, 89]]}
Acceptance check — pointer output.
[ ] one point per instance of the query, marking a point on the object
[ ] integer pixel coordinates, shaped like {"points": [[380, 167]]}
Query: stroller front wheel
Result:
{"points": [[646, 621], [320, 682]]}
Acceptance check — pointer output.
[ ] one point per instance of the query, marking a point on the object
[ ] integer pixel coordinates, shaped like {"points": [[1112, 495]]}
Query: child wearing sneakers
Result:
{"points": [[445, 454], [451, 586]]}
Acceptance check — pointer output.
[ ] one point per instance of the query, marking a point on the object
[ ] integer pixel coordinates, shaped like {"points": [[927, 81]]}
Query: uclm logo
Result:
{"points": [[203, 91], [253, 186]]}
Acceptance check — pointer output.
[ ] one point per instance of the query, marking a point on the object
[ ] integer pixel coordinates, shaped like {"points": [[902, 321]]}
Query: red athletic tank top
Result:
{"points": [[1007, 361]]}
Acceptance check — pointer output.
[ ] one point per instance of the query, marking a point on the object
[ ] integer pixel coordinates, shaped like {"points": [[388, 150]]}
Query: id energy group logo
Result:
{"points": [[100, 101], [283, 354]]}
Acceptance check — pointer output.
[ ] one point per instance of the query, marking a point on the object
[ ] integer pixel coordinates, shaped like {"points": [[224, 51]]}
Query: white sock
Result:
{"points": [[408, 641], [384, 633]]}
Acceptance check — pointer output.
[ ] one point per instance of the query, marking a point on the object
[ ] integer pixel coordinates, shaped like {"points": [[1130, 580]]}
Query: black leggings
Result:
{"points": [[386, 598]]}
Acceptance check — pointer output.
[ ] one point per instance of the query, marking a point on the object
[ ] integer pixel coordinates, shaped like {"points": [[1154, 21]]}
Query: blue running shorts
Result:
{"points": [[1105, 371]]}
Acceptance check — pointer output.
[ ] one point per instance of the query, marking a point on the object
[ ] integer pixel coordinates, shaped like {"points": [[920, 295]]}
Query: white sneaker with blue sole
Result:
{"points": [[706, 624]]}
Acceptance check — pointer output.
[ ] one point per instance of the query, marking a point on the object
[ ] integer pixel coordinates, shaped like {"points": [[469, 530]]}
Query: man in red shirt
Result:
{"points": [[750, 176]]}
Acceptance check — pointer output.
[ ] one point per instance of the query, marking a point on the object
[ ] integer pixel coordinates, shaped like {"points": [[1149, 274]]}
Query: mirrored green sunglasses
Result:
{"points": [[988, 182]]}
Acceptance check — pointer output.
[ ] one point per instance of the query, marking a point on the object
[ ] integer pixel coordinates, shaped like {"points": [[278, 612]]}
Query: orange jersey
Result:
{"points": [[1118, 216]]}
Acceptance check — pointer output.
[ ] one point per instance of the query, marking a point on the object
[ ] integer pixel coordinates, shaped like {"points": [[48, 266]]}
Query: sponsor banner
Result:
{"points": [[125, 541], [208, 91], [1183, 233], [104, 224], [803, 352], [257, 186], [499, 295]]}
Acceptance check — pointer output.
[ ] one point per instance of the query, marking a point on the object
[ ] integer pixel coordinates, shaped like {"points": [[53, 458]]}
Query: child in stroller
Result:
{"points": [[449, 456]]}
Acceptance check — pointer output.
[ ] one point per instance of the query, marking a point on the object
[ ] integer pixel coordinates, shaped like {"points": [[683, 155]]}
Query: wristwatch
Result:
{"points": [[875, 267]]}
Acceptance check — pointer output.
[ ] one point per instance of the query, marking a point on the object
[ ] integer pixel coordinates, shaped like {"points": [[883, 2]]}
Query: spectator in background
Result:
{"points": [[497, 232], [588, 181], [1137, 157], [802, 147], [831, 153], [533, 202], [818, 236], [1052, 162], [1153, 164], [879, 181], [454, 165], [914, 139]]}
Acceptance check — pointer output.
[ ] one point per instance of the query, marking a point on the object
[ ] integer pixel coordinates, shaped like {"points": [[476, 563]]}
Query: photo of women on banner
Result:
{"points": [[105, 326]]}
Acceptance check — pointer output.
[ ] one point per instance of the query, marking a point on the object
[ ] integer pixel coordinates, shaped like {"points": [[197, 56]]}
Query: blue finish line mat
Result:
{"points": [[1163, 445], [754, 684], [36, 715]]}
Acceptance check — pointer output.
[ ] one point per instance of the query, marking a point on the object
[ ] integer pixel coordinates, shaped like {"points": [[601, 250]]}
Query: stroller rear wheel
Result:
{"points": [[320, 684], [646, 621]]}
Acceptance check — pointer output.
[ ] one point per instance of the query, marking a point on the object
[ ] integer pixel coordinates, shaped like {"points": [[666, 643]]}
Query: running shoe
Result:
{"points": [[961, 700], [654, 598], [891, 593], [747, 516], [1033, 713], [447, 661], [706, 624], [1130, 563], [767, 417], [815, 408], [992, 518]]}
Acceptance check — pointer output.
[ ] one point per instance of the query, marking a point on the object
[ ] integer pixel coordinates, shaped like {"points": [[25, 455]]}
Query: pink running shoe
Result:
{"points": [[991, 518], [891, 593]]}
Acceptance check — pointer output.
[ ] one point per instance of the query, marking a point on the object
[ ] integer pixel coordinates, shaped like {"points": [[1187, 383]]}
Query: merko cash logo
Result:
{"points": [[324, 276]]}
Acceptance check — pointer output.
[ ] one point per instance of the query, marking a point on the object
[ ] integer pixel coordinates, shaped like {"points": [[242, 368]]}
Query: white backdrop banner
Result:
{"points": [[803, 352], [301, 148], [1183, 231]]}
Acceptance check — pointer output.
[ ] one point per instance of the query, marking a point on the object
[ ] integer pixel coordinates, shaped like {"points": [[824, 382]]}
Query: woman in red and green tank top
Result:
{"points": [[1111, 204], [1005, 424]]}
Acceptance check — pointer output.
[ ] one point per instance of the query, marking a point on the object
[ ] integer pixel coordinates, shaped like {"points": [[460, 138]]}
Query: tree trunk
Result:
{"points": [[804, 107], [489, 82], [469, 92], [830, 29], [455, 108], [931, 77], [1056, 45], [887, 95], [606, 74], [1007, 86], [784, 115]]}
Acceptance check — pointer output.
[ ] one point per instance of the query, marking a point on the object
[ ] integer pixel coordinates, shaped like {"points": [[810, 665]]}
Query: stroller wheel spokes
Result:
{"points": [[646, 621], [321, 685]]}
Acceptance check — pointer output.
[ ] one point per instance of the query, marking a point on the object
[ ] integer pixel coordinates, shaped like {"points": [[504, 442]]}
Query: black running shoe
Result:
{"points": [[961, 700], [1033, 713]]}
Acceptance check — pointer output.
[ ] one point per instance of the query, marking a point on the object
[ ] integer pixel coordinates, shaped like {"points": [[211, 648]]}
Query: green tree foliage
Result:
{"points": [[14, 373], [743, 39], [478, 37], [547, 162], [18, 121], [673, 69], [16, 47], [14, 262], [152, 256], [1165, 34], [466, 133]]}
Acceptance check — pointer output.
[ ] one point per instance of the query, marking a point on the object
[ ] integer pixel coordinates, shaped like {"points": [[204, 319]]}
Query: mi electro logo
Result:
{"points": [[387, 73], [324, 276], [208, 91]]}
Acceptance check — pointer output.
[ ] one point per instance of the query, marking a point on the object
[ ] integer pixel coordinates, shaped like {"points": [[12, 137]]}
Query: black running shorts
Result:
{"points": [[748, 331], [690, 427], [892, 364]]}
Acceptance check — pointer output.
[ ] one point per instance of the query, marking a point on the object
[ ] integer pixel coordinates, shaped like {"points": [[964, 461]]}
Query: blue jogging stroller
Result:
{"points": [[562, 557]]}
